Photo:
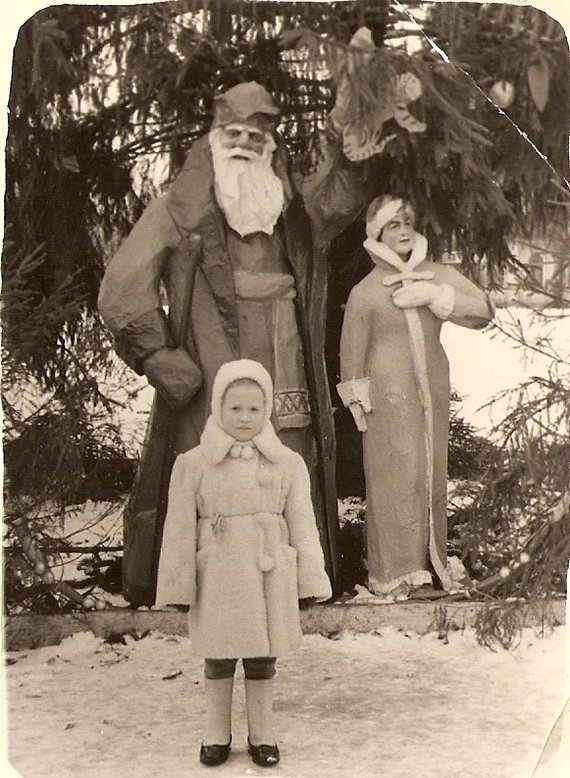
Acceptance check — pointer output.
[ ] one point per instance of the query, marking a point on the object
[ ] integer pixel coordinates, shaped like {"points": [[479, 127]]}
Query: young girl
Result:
{"points": [[241, 547]]}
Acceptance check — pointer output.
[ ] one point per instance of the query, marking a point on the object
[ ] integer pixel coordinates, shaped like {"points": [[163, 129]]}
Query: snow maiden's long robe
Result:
{"points": [[405, 444]]}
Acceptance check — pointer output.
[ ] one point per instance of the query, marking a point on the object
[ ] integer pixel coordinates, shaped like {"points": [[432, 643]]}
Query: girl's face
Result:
{"points": [[398, 234], [243, 411]]}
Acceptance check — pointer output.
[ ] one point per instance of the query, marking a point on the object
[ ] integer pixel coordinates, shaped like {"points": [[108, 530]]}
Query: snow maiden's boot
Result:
{"points": [[218, 730], [259, 706]]}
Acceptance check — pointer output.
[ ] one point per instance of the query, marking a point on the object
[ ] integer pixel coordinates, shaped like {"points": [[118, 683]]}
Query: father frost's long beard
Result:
{"points": [[247, 190]]}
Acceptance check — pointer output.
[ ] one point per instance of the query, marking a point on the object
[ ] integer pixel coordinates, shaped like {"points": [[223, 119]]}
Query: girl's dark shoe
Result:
{"points": [[214, 755], [263, 755]]}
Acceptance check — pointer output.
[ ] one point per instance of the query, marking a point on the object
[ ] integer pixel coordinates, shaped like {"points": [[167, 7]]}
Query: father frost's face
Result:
{"points": [[242, 141], [248, 191]]}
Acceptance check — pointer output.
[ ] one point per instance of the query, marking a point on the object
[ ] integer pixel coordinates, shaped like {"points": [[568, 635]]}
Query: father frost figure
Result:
{"points": [[242, 257]]}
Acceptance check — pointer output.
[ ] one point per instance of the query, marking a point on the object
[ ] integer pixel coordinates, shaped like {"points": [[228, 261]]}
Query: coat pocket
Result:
{"points": [[288, 571], [202, 558], [289, 554]]}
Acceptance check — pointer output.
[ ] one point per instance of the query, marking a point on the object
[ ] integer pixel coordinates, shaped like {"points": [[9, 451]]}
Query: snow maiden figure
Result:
{"points": [[241, 547], [395, 381]]}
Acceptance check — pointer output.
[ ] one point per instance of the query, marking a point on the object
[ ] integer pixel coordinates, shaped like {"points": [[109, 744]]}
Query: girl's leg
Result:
{"points": [[259, 674], [219, 682]]}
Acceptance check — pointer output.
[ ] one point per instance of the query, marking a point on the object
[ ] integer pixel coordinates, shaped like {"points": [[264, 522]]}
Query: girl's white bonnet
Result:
{"points": [[233, 371]]}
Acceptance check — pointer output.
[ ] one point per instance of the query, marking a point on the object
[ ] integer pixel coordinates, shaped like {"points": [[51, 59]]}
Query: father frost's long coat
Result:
{"points": [[157, 252]]}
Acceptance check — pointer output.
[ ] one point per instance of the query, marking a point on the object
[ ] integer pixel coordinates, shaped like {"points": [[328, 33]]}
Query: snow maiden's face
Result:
{"points": [[243, 410], [398, 234]]}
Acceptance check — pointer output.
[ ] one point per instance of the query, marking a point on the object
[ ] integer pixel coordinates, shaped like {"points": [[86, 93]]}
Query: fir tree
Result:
{"points": [[101, 97]]}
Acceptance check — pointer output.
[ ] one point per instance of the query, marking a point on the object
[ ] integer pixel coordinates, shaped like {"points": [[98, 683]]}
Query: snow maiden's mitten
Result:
{"points": [[355, 395], [438, 298]]}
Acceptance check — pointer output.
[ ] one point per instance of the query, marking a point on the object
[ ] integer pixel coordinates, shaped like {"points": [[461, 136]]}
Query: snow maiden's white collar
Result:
{"points": [[379, 250], [215, 443]]}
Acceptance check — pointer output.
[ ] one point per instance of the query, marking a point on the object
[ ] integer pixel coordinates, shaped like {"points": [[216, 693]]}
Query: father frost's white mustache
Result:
{"points": [[241, 153]]}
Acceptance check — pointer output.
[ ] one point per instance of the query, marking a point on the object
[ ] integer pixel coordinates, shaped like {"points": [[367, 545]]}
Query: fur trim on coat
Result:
{"points": [[241, 547], [215, 443]]}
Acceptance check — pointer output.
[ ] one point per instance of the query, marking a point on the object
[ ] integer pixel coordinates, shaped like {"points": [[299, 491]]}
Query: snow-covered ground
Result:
{"points": [[390, 705], [395, 705]]}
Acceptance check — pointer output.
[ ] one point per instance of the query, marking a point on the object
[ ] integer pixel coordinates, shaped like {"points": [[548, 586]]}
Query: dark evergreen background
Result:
{"points": [[98, 91]]}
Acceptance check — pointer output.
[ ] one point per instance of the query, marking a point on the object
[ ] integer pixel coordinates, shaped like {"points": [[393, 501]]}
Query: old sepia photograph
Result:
{"points": [[285, 352]]}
